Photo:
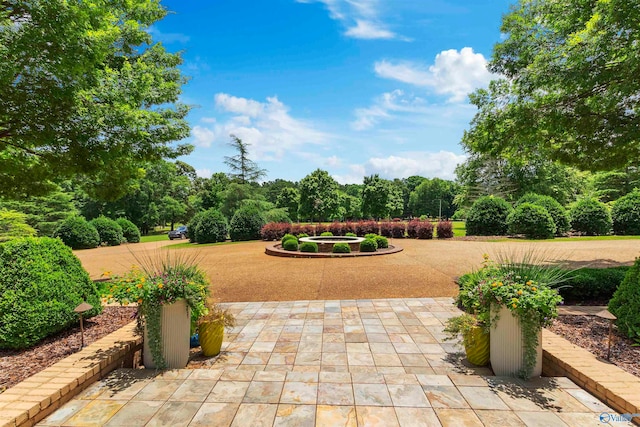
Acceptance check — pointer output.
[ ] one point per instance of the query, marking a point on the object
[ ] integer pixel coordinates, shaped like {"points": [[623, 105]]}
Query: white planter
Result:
{"points": [[175, 330], [507, 347]]}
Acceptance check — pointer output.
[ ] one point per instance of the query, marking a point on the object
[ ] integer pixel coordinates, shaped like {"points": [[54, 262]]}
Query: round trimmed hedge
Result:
{"points": [[351, 235], [288, 237], [326, 234], [590, 217], [625, 214], [209, 226], [556, 210], [309, 247], [368, 245], [108, 230], [382, 242], [531, 220], [77, 233], [625, 304], [130, 231], [341, 248], [41, 282], [290, 245], [246, 224], [488, 217]]}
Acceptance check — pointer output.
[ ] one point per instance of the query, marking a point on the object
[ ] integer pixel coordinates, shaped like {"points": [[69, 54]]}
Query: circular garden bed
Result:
{"points": [[277, 250]]}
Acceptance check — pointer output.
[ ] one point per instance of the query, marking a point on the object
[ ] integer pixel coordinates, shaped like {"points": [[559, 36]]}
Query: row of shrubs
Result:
{"points": [[415, 229], [211, 226], [542, 217], [78, 233]]}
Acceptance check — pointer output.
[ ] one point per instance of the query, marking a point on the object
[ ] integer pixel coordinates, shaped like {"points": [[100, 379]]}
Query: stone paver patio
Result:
{"points": [[333, 363]]}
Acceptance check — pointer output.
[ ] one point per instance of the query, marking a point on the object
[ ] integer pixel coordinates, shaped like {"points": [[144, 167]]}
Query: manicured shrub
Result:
{"points": [[130, 231], [412, 228], [320, 228], [77, 233], [386, 229], [351, 235], [335, 228], [424, 218], [398, 230], [590, 217], [308, 229], [290, 245], [301, 235], [556, 210], [368, 245], [295, 229], [370, 236], [625, 214], [246, 224], [276, 215], [531, 220], [444, 229], [625, 304], [327, 234], [288, 237], [349, 227], [41, 282], [366, 227], [108, 230], [274, 230], [382, 242], [424, 230], [209, 226], [592, 285], [309, 247], [341, 248], [488, 217]]}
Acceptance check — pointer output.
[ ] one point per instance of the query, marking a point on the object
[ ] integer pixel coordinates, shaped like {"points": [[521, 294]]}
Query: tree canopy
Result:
{"points": [[243, 169], [319, 198], [85, 90], [569, 78]]}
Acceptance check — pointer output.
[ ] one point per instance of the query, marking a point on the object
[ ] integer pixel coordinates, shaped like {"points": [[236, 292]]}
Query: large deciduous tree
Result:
{"points": [[569, 84], [434, 198], [84, 90], [319, 199]]}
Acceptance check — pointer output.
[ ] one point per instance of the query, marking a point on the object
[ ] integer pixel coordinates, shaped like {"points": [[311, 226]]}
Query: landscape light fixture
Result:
{"points": [[81, 309], [606, 314]]}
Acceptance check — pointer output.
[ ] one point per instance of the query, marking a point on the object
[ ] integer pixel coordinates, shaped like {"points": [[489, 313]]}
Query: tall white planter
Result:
{"points": [[507, 346], [175, 331]]}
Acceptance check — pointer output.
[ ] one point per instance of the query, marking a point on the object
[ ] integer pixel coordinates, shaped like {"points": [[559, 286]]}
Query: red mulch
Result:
{"points": [[17, 365], [591, 333]]}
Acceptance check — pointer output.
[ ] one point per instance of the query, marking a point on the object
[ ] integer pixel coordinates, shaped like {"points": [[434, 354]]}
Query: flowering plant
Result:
{"points": [[159, 281]]}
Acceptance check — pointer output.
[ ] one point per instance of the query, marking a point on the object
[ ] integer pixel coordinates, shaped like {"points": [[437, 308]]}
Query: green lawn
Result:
{"points": [[186, 244], [154, 237], [570, 239], [459, 228]]}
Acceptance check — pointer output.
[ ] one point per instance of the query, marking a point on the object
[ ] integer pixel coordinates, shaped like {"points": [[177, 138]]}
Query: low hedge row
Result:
{"points": [[592, 284]]}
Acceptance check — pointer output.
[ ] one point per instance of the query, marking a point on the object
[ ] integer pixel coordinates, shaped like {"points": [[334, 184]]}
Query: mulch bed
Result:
{"points": [[591, 333], [17, 365]]}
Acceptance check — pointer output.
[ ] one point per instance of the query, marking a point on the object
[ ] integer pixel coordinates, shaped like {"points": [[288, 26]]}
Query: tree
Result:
{"points": [[85, 90], [434, 198], [273, 189], [234, 196], [14, 225], [243, 169], [569, 86], [350, 206], [289, 198], [375, 197], [612, 185], [410, 184], [210, 192], [318, 196]]}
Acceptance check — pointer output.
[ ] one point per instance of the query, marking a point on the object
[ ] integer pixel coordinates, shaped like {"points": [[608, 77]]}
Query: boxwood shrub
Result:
{"points": [[370, 236], [625, 304], [341, 248], [209, 226], [108, 230], [77, 233], [41, 282], [288, 237], [351, 235], [368, 245], [246, 224], [555, 209], [309, 247], [488, 217], [290, 245], [625, 214], [326, 234], [130, 231], [301, 235], [531, 220], [592, 284], [591, 217], [382, 242]]}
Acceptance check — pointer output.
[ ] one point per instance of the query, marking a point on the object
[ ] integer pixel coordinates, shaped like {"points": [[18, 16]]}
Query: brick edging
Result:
{"points": [[31, 400], [615, 387]]}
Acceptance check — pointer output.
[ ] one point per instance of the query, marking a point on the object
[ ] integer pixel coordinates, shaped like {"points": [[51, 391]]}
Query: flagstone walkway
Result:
{"points": [[333, 363]]}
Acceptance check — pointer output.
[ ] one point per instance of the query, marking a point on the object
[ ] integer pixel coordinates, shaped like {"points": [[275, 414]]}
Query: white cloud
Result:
{"points": [[455, 74], [355, 176], [167, 37], [208, 120], [203, 137], [384, 106], [441, 164], [361, 17], [333, 161], [267, 127], [204, 173]]}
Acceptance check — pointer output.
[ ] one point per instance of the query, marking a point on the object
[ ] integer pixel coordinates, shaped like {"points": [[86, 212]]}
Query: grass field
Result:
{"points": [[154, 237]]}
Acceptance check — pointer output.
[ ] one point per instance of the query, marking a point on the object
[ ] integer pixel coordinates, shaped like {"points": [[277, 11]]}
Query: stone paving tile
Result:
{"points": [[174, 414], [339, 416], [460, 417], [193, 390], [373, 416], [228, 391], [158, 390], [295, 416], [299, 393], [445, 397], [500, 418], [540, 419], [371, 395], [263, 392], [135, 413], [335, 394], [215, 414], [410, 395], [482, 398], [96, 413], [255, 415], [418, 417]]}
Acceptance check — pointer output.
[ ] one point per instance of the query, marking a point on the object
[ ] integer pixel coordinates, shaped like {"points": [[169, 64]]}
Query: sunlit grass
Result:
{"points": [[186, 244], [568, 239]]}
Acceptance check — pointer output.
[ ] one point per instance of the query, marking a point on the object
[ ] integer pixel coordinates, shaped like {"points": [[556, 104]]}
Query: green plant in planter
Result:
{"points": [[160, 280], [475, 337], [211, 328]]}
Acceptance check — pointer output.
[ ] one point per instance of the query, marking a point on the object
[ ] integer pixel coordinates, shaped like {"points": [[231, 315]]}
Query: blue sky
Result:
{"points": [[354, 87]]}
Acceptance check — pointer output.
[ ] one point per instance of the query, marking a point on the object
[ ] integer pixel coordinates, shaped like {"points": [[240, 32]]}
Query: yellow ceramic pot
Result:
{"points": [[476, 344], [211, 335]]}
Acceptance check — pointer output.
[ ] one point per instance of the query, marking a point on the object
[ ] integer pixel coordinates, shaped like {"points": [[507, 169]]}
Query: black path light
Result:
{"points": [[81, 309], [606, 314]]}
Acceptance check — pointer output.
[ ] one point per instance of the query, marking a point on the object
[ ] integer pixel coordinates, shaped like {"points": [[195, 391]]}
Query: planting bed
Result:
{"points": [[277, 250]]}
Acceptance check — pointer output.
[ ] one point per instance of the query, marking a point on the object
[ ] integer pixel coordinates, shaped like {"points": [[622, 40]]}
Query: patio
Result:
{"points": [[341, 362]]}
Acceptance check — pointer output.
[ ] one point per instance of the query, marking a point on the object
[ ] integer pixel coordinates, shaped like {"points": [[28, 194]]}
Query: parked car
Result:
{"points": [[179, 233]]}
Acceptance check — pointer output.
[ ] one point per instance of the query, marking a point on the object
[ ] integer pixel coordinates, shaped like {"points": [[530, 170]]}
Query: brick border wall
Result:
{"points": [[28, 402], [615, 387]]}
